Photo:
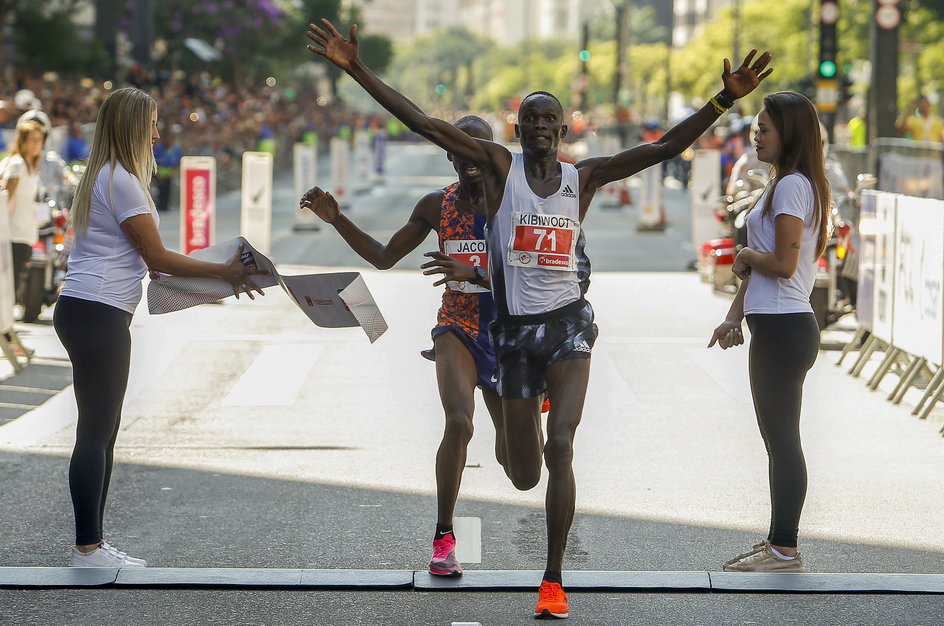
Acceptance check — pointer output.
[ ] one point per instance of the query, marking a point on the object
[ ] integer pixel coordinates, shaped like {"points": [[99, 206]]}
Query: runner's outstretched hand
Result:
{"points": [[321, 203], [333, 46], [747, 77], [449, 267]]}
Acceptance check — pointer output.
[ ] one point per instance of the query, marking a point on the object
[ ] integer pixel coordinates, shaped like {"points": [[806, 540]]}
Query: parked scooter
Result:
{"points": [[840, 262], [47, 266], [717, 255]]}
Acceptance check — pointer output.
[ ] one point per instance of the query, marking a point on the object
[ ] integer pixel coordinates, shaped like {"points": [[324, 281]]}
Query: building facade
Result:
{"points": [[691, 15]]}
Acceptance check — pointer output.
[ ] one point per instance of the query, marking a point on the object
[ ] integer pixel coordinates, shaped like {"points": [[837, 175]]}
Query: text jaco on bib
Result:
{"points": [[468, 252]]}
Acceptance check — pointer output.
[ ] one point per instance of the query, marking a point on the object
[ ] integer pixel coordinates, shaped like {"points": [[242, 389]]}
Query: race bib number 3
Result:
{"points": [[469, 252], [545, 241]]}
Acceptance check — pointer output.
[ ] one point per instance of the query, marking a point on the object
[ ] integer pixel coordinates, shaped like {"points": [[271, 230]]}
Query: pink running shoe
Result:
{"points": [[444, 562]]}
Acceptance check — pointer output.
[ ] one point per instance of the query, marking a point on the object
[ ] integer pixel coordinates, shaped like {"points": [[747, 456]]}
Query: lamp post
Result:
{"points": [[737, 32]]}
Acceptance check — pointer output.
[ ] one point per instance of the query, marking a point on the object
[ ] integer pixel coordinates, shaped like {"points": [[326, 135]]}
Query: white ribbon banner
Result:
{"points": [[336, 300]]}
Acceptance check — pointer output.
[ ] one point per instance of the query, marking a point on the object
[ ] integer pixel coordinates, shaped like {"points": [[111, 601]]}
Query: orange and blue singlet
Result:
{"points": [[466, 310]]}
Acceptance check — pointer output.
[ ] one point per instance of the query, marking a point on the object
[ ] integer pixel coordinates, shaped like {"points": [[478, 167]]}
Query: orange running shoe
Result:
{"points": [[546, 405], [552, 602]]}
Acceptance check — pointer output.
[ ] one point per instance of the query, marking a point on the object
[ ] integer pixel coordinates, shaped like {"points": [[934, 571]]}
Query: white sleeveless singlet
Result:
{"points": [[532, 244]]}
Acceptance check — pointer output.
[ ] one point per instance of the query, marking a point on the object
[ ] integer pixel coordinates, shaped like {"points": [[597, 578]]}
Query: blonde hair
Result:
{"points": [[122, 135], [801, 151], [23, 132]]}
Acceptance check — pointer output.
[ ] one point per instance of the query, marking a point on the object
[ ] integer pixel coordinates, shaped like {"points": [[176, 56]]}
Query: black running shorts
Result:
{"points": [[525, 345]]}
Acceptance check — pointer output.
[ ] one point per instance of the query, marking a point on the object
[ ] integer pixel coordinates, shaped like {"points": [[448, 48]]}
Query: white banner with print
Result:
{"points": [[305, 169], [918, 320], [6, 267], [363, 162], [256, 217], [705, 191], [339, 171], [865, 310], [883, 289], [652, 207], [337, 300]]}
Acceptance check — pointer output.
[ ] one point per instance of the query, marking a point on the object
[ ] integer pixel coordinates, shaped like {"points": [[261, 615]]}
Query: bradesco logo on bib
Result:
{"points": [[467, 252], [545, 241]]}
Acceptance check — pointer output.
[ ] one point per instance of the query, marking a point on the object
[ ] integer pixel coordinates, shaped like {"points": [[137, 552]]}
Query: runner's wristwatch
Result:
{"points": [[480, 275]]}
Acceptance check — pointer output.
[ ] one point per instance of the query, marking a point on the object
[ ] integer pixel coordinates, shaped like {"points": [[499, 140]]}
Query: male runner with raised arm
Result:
{"points": [[461, 347], [544, 330]]}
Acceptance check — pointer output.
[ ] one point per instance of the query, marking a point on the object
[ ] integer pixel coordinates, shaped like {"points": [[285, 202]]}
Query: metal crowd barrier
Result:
{"points": [[900, 307], [903, 166]]}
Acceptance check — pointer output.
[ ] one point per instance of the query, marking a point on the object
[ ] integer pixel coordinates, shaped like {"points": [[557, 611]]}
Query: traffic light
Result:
{"points": [[584, 55], [828, 16]]}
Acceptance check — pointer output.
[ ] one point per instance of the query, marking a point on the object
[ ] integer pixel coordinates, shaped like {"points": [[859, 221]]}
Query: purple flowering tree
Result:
{"points": [[241, 30]]}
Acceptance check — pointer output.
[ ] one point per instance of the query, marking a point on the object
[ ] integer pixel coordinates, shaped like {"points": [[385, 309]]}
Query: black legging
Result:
{"points": [[21, 256], [98, 341], [783, 349]]}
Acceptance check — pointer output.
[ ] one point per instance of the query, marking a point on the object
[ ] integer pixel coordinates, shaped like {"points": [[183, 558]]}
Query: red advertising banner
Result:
{"points": [[198, 203]]}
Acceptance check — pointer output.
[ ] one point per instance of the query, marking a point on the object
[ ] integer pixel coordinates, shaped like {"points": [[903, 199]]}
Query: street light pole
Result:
{"points": [[737, 32], [622, 65]]}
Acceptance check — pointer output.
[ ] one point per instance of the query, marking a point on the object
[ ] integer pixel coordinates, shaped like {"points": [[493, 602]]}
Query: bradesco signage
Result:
{"points": [[198, 200]]}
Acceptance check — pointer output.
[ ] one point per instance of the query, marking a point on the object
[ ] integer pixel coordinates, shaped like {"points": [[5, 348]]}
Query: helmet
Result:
{"points": [[36, 115], [24, 99]]}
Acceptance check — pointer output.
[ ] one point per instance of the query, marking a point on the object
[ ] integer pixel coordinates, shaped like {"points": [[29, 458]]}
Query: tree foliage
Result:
{"points": [[788, 28], [46, 38], [447, 56]]}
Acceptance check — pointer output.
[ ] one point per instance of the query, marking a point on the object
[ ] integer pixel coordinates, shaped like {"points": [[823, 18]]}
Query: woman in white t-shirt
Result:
{"points": [[21, 180], [787, 233], [116, 243]]}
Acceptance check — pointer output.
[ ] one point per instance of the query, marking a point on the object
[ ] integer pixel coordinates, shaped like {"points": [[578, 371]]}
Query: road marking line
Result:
{"points": [[468, 532], [275, 377]]}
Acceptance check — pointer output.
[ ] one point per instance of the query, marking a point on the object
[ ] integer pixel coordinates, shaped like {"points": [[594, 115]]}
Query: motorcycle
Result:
{"points": [[838, 273], [717, 255], [46, 270]]}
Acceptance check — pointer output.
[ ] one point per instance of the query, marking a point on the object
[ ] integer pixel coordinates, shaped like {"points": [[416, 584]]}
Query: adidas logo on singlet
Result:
{"points": [[567, 192]]}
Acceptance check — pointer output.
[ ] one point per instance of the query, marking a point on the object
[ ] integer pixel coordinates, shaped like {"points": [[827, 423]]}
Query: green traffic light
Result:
{"points": [[440, 89], [827, 69], [584, 55]]}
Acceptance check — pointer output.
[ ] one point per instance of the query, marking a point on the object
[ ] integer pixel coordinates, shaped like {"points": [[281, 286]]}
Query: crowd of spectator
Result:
{"points": [[202, 115]]}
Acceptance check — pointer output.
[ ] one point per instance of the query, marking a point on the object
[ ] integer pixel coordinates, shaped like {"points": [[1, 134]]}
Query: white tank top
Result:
{"points": [[532, 244]]}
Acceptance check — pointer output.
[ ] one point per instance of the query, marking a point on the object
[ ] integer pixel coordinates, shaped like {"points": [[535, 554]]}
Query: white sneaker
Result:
{"points": [[102, 556], [124, 555]]}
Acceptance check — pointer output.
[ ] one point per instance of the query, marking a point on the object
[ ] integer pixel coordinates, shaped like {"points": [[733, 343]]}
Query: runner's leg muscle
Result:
{"points": [[567, 388], [456, 374]]}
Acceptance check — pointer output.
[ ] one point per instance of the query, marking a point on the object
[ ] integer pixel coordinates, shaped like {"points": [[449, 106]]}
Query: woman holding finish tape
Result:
{"points": [[116, 242]]}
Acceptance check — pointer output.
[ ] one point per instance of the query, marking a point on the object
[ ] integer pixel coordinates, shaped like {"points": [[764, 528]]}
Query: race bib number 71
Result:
{"points": [[545, 241]]}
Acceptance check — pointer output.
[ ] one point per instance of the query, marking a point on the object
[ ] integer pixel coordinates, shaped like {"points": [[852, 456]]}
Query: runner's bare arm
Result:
{"points": [[142, 232], [425, 217], [598, 171], [343, 53]]}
